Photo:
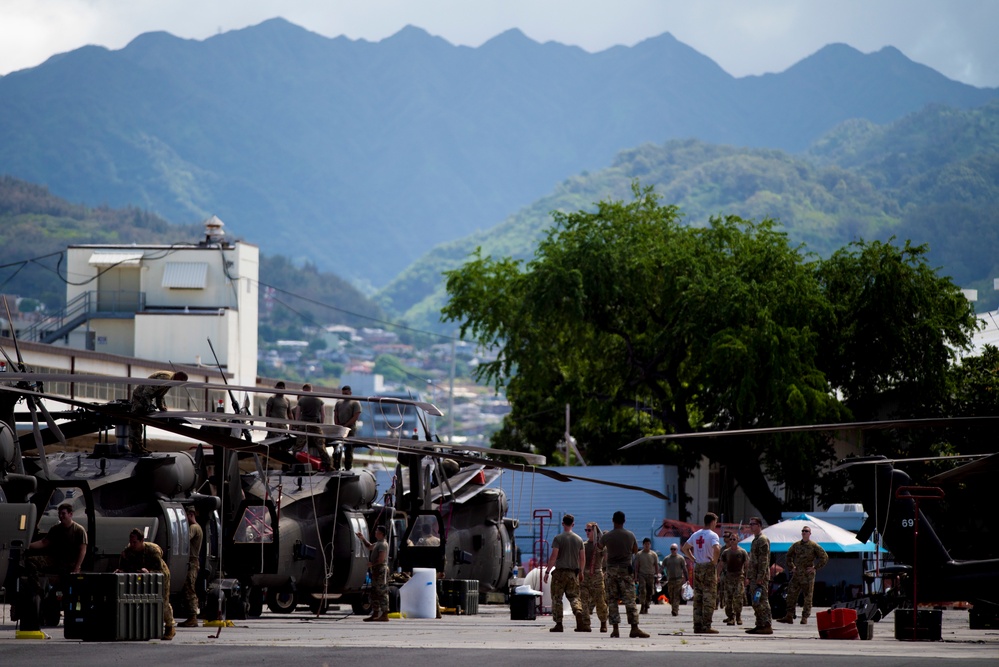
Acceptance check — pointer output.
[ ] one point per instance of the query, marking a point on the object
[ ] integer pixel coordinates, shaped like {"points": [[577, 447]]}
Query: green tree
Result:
{"points": [[896, 328], [645, 326]]}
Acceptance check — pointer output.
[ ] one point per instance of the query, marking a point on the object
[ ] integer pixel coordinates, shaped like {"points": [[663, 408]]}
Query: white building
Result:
{"points": [[163, 303]]}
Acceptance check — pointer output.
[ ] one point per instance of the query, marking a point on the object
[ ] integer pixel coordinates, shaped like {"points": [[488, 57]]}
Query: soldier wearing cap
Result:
{"points": [[675, 567], [758, 574], [149, 398], [804, 558], [142, 556], [378, 564], [591, 591]]}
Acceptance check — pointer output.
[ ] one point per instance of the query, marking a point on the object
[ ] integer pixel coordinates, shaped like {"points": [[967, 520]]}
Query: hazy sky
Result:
{"points": [[955, 37]]}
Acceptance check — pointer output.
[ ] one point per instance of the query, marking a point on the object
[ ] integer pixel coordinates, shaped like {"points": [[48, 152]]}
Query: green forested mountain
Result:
{"points": [[932, 177], [36, 227], [363, 156]]}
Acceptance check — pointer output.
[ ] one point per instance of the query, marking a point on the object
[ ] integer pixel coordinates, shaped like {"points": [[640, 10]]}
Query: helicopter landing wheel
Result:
{"points": [[361, 605], [318, 606], [256, 602], [281, 602]]}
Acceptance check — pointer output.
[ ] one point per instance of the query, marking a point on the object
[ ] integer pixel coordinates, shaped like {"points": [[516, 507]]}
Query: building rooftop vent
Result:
{"points": [[213, 230]]}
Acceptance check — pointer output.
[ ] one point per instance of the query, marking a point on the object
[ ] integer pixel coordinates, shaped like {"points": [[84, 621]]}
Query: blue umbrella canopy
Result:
{"points": [[829, 536]]}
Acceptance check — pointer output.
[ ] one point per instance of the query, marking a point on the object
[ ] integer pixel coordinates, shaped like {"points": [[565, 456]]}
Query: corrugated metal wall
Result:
{"points": [[590, 502]]}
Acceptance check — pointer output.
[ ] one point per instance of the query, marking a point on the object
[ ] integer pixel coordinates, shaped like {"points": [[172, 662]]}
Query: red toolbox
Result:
{"points": [[839, 623]]}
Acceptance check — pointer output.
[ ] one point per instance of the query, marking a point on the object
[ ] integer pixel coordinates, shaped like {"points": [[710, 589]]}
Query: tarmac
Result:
{"points": [[490, 637]]}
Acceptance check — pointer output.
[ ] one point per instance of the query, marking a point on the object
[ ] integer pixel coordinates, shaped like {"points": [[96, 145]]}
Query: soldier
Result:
{"points": [[427, 537], [346, 413], [193, 565], [149, 398], [311, 409], [65, 547], [279, 407], [621, 546], [569, 560], [732, 572], [703, 547], [591, 591], [646, 570], [378, 563], [675, 567], [758, 574], [805, 558], [142, 556]]}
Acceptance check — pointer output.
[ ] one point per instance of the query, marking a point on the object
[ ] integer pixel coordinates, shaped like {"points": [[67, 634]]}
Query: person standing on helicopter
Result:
{"points": [[311, 409], [346, 413], [149, 398], [278, 407]]}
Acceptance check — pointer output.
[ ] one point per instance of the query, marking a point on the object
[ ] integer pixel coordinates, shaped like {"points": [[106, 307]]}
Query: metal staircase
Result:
{"points": [[80, 310]]}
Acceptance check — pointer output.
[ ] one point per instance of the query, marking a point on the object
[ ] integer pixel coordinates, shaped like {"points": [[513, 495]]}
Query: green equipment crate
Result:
{"points": [[113, 607], [462, 595]]}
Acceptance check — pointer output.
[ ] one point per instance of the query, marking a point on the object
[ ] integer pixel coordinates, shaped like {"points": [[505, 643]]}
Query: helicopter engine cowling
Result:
{"points": [[178, 478], [356, 492]]}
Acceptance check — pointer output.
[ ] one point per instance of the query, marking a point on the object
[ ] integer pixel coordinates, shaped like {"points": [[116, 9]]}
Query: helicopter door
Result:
{"points": [[17, 522], [357, 561], [175, 540]]}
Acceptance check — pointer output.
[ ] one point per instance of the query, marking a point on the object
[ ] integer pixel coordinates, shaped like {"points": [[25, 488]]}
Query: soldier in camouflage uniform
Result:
{"points": [[675, 567], [149, 398], [197, 538], [621, 545], [804, 558], [646, 570], [591, 591], [378, 563], [568, 558], [732, 571], [142, 556], [758, 573], [704, 548]]}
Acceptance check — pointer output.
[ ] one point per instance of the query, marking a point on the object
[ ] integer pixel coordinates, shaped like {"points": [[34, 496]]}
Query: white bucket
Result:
{"points": [[418, 596], [535, 579]]}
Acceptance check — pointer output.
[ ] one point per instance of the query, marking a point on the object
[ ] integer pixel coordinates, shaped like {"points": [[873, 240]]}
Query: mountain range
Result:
{"points": [[931, 177], [363, 157]]}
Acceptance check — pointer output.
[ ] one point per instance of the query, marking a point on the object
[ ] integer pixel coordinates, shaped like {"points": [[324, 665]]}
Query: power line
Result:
{"points": [[358, 315], [175, 247]]}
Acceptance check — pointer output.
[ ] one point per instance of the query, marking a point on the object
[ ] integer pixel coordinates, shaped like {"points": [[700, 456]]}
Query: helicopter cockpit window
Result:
{"points": [[254, 527]]}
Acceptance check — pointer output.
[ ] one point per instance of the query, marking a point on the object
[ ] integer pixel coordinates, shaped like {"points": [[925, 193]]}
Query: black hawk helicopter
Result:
{"points": [[279, 537]]}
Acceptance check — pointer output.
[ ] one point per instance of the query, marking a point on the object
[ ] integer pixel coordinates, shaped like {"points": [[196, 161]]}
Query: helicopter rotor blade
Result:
{"points": [[809, 428], [13, 335], [52, 424], [200, 435], [518, 467], [37, 433], [429, 408], [860, 461]]}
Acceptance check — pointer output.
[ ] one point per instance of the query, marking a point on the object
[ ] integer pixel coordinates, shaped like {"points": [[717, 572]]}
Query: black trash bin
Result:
{"points": [[523, 607]]}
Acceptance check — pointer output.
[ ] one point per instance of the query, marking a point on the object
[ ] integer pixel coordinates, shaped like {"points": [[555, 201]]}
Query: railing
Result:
{"points": [[82, 308]]}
